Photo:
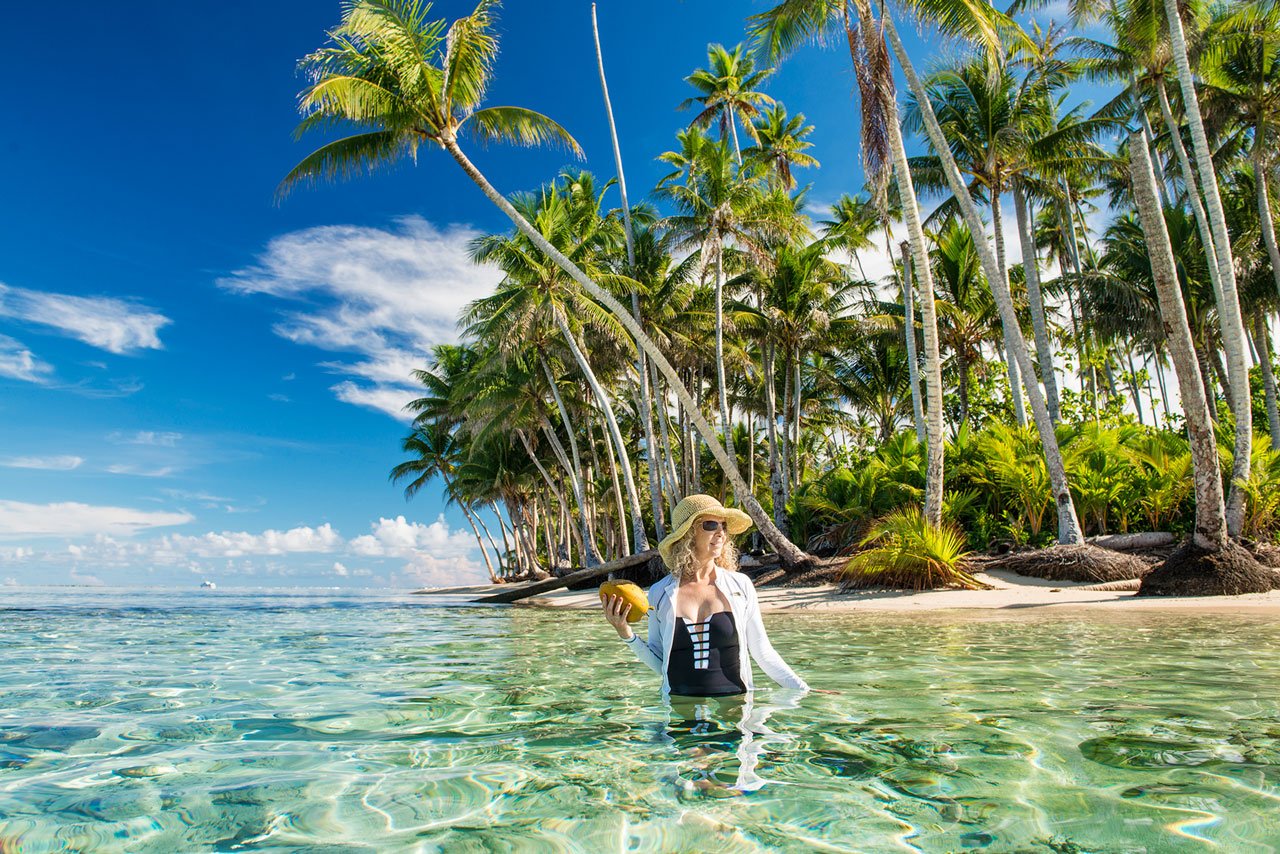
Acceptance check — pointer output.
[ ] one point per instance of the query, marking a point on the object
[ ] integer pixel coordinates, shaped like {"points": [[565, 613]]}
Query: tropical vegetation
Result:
{"points": [[722, 336]]}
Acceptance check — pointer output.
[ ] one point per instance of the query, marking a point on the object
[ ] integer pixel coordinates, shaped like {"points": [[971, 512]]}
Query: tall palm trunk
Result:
{"points": [[655, 490], [674, 493], [1264, 204], [1192, 186], [1229, 303], [720, 380], [1069, 531], [934, 471], [776, 476], [788, 553], [611, 422], [1211, 527], [909, 327], [1039, 322], [1011, 361]]}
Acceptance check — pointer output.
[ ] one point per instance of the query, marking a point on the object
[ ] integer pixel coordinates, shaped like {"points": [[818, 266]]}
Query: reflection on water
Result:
{"points": [[159, 721]]}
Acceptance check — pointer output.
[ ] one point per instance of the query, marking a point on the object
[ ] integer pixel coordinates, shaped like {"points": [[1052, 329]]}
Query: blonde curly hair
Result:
{"points": [[681, 564]]}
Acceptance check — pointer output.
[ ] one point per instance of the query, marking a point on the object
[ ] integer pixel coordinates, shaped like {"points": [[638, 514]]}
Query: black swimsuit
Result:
{"points": [[704, 658]]}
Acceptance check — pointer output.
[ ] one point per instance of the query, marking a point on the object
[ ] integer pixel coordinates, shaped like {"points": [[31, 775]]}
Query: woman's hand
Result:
{"points": [[615, 611]]}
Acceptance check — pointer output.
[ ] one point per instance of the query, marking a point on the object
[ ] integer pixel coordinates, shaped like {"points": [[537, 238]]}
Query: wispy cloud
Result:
{"points": [[153, 438], [384, 295], [140, 471], [59, 463], [108, 323], [19, 363], [73, 519], [270, 542]]}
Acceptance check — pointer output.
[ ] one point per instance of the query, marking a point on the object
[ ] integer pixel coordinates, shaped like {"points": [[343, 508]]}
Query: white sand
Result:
{"points": [[1012, 593]]}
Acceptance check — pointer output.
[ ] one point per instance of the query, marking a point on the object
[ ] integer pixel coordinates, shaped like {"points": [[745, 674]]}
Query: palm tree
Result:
{"points": [[436, 452], [1211, 531], [982, 23], [1241, 71], [719, 203], [537, 292], [781, 144], [414, 80], [729, 86], [792, 23], [1233, 340], [655, 489]]}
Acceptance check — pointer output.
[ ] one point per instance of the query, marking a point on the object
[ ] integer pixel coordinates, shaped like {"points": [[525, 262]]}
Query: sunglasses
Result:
{"points": [[712, 525]]}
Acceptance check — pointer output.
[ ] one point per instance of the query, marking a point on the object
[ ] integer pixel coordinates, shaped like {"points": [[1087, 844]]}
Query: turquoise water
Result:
{"points": [[283, 721]]}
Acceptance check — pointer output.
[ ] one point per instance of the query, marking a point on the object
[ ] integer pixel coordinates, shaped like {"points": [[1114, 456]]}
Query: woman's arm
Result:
{"points": [[762, 651], [615, 611]]}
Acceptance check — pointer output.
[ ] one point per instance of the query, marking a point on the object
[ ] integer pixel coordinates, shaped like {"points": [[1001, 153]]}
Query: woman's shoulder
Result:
{"points": [[660, 588]]}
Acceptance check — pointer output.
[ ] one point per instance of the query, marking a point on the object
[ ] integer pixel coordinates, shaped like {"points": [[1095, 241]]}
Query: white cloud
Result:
{"points": [[269, 542], [339, 569], [105, 322], [85, 579], [384, 295], [9, 582], [399, 538], [19, 363], [153, 438], [59, 463], [140, 471], [73, 519]]}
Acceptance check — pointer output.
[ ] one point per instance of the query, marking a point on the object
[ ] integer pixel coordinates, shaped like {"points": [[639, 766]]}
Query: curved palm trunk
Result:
{"points": [[1229, 303], [1069, 531], [909, 327], [1039, 323], [655, 489], [935, 452], [620, 447], [1211, 528], [788, 553]]}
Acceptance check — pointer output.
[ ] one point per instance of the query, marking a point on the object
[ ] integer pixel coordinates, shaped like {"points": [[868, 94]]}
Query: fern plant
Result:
{"points": [[904, 550]]}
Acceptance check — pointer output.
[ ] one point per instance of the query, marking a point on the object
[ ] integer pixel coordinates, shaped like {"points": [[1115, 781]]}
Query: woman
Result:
{"points": [[705, 626]]}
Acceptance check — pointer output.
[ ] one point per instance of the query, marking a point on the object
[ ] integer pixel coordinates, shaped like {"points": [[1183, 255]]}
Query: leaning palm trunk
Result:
{"points": [[776, 476], [589, 557], [788, 553], [1039, 323], [934, 471], [1069, 531], [655, 490], [909, 326], [1229, 302], [611, 422], [1211, 528]]}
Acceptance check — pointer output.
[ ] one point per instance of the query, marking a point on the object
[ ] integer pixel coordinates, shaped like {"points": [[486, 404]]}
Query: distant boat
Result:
{"points": [[208, 585]]}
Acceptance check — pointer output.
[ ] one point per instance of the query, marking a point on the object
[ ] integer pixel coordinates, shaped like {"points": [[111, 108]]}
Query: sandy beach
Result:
{"points": [[1010, 593]]}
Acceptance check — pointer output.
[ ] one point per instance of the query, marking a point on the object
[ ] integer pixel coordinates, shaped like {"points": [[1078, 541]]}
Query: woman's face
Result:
{"points": [[707, 544]]}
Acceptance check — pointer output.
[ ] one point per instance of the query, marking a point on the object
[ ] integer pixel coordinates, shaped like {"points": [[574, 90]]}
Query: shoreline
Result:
{"points": [[1011, 593]]}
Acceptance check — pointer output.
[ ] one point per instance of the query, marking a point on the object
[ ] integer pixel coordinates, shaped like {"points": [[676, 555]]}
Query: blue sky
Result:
{"points": [[196, 382]]}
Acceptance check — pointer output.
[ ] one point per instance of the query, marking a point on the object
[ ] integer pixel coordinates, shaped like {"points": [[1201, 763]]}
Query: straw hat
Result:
{"points": [[689, 509]]}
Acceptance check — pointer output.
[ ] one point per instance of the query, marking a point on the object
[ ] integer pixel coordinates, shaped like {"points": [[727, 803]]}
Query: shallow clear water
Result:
{"points": [[165, 721]]}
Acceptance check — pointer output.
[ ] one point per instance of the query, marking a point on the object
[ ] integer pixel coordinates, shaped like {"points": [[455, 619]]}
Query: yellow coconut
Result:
{"points": [[633, 595]]}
